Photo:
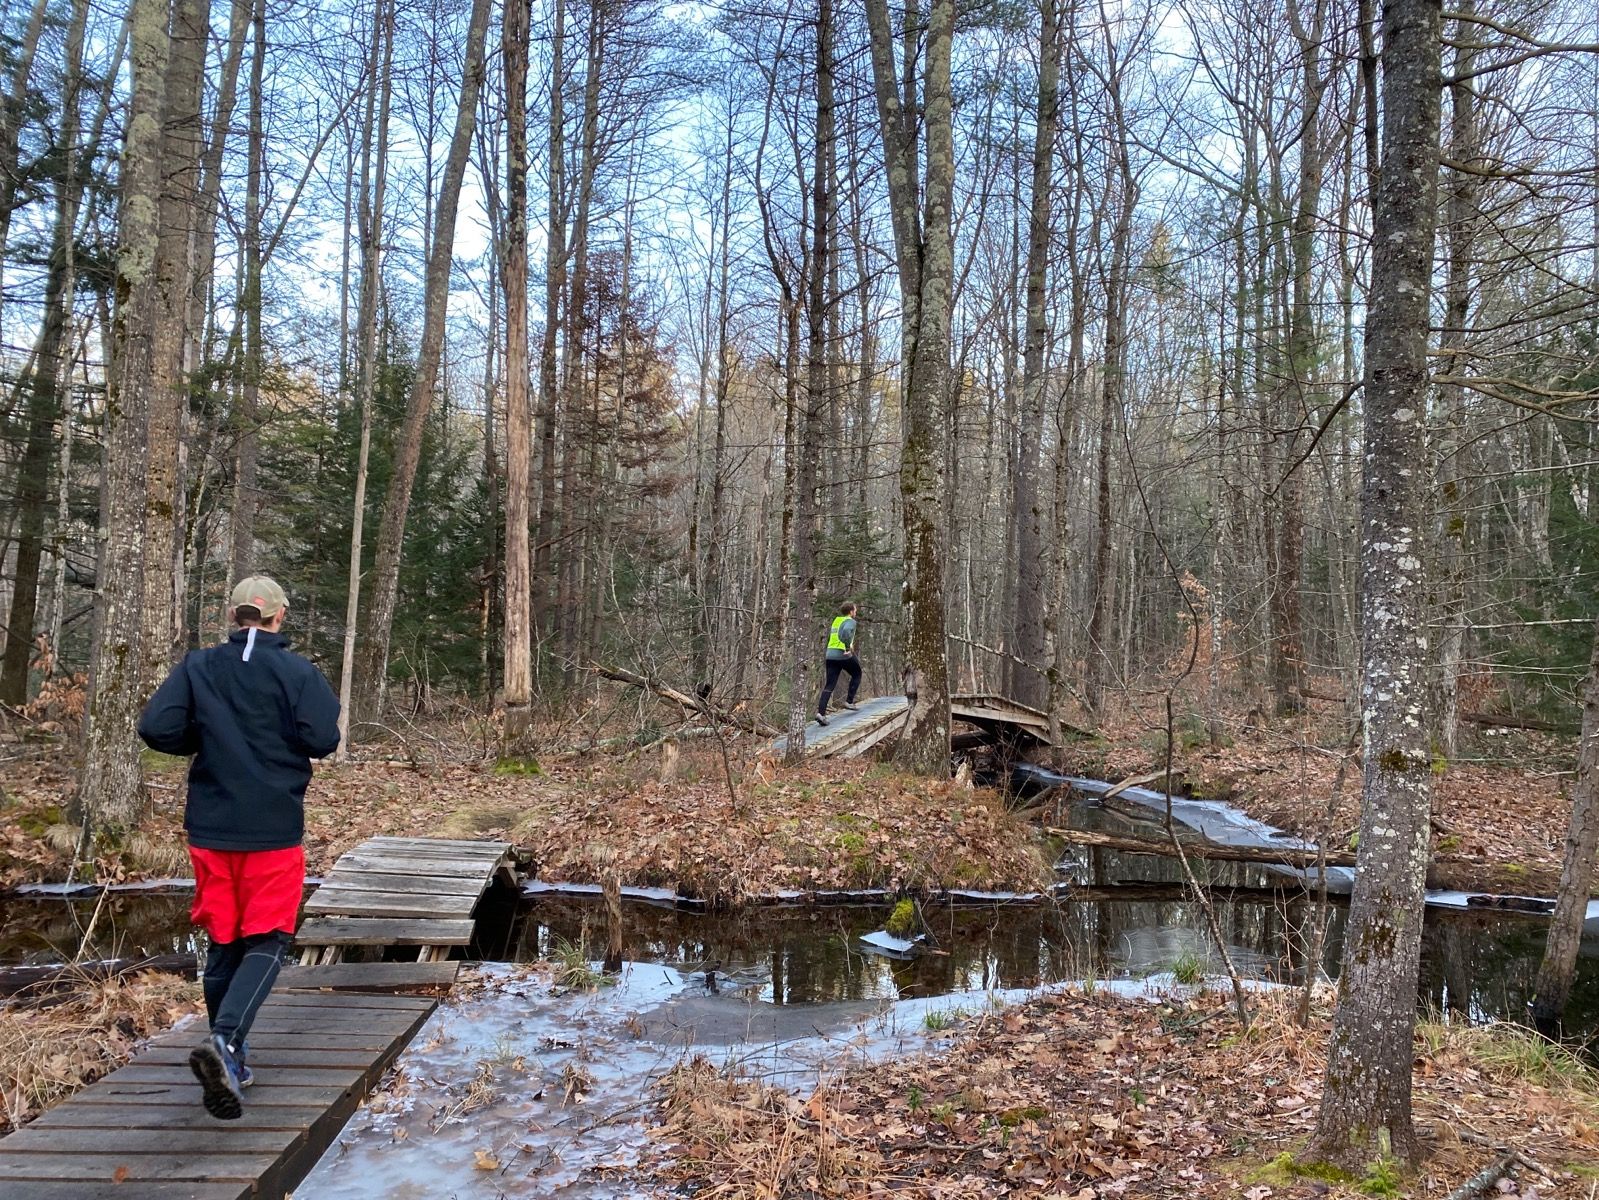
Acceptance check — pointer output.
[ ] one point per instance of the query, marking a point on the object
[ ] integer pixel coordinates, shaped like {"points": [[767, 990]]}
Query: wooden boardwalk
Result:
{"points": [[392, 891], [141, 1134], [320, 1043], [851, 734]]}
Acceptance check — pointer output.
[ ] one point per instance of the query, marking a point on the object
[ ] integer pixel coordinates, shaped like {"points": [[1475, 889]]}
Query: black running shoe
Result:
{"points": [[214, 1066], [821, 718]]}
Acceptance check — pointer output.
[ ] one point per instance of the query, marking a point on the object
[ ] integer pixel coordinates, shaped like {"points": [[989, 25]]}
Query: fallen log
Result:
{"points": [[1492, 720], [687, 702], [1282, 856], [1140, 780], [52, 977]]}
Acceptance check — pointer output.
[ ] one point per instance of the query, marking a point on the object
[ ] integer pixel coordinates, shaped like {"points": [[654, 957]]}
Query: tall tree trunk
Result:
{"points": [[924, 251], [554, 289], [374, 184], [52, 355], [1365, 1109], [803, 618], [374, 657], [518, 418], [1288, 657], [1110, 402], [111, 796], [1030, 683], [169, 392], [41, 383], [1453, 503], [1559, 965], [247, 418]]}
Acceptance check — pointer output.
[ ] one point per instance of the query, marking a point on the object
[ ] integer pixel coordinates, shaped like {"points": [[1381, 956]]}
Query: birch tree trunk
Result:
{"points": [[518, 418], [374, 657], [1365, 1108], [111, 798], [1559, 967]]}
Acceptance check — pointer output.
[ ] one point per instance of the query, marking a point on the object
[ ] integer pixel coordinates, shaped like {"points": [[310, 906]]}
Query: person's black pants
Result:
{"points": [[238, 977], [836, 667]]}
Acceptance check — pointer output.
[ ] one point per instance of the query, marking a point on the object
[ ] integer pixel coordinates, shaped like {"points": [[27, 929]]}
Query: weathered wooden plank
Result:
{"points": [[381, 931], [264, 1094], [134, 1168], [176, 1075], [465, 846], [413, 864], [407, 885], [214, 1139], [44, 1189], [344, 1041], [372, 975], [329, 901], [82, 1114], [361, 1021], [270, 1057], [383, 1001]]}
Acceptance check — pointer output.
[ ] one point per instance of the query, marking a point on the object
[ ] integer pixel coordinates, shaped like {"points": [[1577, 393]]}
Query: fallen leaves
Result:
{"points": [[1047, 1107], [49, 1052]]}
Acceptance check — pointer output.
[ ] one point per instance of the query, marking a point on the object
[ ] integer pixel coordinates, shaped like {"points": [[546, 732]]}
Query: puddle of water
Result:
{"points": [[525, 1132]]}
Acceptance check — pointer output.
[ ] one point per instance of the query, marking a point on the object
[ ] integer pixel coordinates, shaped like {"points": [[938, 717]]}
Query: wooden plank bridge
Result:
{"points": [[320, 1044], [393, 891], [851, 734]]}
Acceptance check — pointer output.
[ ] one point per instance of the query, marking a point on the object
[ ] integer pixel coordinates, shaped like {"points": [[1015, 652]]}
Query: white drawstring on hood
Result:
{"points": [[249, 643]]}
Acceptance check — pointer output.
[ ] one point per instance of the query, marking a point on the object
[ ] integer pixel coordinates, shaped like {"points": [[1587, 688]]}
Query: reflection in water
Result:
{"points": [[1478, 965], [129, 926]]}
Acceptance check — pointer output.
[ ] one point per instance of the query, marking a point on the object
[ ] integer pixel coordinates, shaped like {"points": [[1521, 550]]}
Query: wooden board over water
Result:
{"points": [[141, 1133], [394, 891]]}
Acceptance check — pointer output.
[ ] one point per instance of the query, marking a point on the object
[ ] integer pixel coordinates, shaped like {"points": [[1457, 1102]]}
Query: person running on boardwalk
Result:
{"points": [[253, 714], [841, 659]]}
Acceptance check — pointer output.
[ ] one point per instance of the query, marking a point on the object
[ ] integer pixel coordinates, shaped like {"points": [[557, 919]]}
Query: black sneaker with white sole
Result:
{"points": [[821, 718], [214, 1066]]}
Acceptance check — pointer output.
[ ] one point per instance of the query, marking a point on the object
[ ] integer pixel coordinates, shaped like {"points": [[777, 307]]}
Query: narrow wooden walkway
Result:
{"points": [[320, 1043], [392, 891], [851, 734], [141, 1134]]}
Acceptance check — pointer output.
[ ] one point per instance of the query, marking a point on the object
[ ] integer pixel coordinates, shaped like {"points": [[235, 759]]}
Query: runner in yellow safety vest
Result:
{"points": [[842, 658]]}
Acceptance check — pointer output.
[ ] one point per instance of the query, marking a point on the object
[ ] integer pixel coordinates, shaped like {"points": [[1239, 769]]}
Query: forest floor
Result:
{"points": [[823, 826], [1084, 1097], [66, 1039], [1500, 808]]}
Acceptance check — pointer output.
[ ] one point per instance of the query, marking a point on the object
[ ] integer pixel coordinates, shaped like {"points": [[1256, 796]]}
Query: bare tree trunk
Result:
{"points": [[374, 182], [1453, 503], [1110, 402], [1032, 547], [803, 618], [554, 288], [924, 252], [246, 499], [1365, 1108], [518, 418], [163, 582], [111, 795], [1559, 966], [370, 675]]}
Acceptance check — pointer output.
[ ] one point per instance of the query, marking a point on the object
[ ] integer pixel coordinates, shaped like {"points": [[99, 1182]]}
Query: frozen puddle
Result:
{"points": [[514, 1088]]}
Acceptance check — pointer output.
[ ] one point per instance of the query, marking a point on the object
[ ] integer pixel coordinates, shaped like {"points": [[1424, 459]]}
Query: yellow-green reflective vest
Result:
{"points": [[834, 642]]}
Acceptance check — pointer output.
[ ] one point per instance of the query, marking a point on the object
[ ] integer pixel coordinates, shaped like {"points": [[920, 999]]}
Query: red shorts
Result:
{"points": [[240, 893]]}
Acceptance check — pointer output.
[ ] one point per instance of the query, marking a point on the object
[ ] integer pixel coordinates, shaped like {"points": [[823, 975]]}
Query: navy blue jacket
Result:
{"points": [[253, 728]]}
